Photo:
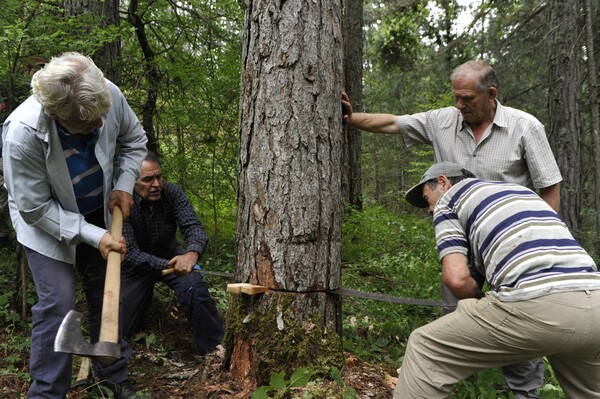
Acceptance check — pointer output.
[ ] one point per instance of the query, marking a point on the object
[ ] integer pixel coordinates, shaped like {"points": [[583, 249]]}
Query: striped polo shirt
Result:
{"points": [[513, 238], [84, 170]]}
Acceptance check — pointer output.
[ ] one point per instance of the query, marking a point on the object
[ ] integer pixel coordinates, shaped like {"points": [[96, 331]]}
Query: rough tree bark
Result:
{"points": [[594, 107], [289, 194], [353, 72], [564, 108]]}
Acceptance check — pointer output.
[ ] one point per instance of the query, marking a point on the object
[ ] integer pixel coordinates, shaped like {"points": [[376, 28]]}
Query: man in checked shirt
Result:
{"points": [[159, 210]]}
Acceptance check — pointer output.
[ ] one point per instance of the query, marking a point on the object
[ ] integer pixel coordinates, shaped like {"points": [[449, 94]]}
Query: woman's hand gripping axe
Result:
{"points": [[69, 338]]}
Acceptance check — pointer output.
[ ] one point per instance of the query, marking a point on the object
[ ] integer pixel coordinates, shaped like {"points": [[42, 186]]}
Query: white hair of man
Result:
{"points": [[71, 83]]}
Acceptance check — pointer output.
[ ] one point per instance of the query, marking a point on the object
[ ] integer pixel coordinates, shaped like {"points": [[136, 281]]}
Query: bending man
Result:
{"points": [[544, 296]]}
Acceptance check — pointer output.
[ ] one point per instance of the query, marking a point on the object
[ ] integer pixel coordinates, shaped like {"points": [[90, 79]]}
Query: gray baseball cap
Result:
{"points": [[415, 195]]}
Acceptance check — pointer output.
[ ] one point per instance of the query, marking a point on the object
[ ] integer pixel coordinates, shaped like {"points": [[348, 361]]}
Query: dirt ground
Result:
{"points": [[207, 379], [180, 373], [166, 365]]}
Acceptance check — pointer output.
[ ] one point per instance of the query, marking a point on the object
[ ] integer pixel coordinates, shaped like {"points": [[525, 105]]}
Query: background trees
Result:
{"points": [[353, 22], [410, 52], [179, 66], [564, 107]]}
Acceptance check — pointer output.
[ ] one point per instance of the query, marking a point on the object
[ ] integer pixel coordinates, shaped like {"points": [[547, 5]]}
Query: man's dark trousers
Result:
{"points": [[137, 286]]}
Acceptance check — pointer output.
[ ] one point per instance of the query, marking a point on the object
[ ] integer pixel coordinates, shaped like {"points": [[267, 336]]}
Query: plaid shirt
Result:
{"points": [[150, 232]]}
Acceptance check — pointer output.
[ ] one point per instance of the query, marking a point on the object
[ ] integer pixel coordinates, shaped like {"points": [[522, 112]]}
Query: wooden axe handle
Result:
{"points": [[109, 327], [84, 369]]}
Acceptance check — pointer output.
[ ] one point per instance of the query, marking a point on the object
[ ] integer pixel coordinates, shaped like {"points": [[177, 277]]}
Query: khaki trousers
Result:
{"points": [[487, 333], [523, 379]]}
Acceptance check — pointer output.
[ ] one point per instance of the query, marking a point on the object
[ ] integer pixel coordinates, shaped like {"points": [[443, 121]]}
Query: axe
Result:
{"points": [[69, 338]]}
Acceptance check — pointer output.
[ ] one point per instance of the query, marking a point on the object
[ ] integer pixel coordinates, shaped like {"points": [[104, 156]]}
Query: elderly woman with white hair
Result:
{"points": [[59, 149]]}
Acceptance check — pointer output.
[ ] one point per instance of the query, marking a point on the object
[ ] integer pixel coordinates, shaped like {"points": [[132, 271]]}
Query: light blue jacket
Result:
{"points": [[42, 202]]}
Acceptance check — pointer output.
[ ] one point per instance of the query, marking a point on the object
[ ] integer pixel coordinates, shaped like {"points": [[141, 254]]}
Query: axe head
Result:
{"points": [[70, 340]]}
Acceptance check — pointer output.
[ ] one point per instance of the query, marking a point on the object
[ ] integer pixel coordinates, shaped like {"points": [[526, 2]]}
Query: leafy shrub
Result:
{"points": [[393, 255], [280, 386]]}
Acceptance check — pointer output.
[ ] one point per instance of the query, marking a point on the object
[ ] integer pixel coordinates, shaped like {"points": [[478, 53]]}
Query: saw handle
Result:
{"points": [[109, 325], [165, 272]]}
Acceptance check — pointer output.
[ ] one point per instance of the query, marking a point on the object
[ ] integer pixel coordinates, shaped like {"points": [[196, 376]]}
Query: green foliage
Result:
{"points": [[376, 232], [147, 338], [551, 391], [551, 388], [392, 254], [281, 386], [14, 338], [347, 392], [491, 384], [484, 385], [397, 41]]}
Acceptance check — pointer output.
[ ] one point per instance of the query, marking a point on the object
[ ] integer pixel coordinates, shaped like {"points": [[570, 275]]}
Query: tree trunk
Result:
{"points": [[594, 108], [152, 74], [289, 194], [353, 71], [104, 13], [565, 119]]}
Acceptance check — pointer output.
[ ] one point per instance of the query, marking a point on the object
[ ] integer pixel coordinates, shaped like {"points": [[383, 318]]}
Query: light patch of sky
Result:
{"points": [[465, 15]]}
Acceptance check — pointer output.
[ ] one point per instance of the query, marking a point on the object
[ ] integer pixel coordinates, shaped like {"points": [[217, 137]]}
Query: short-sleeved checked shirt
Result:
{"points": [[150, 232], [513, 149]]}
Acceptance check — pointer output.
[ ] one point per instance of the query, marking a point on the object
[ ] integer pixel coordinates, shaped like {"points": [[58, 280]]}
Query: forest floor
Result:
{"points": [[166, 364]]}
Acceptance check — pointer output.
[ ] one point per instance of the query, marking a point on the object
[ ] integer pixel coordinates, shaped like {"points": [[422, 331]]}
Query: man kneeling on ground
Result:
{"points": [[159, 210]]}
